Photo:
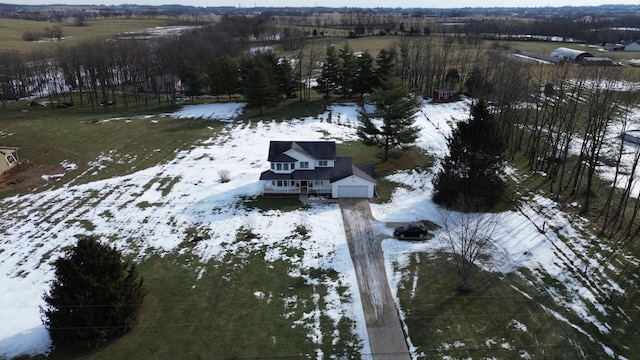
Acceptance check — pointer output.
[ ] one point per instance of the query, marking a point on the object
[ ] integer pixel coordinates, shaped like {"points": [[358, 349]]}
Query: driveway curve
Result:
{"points": [[364, 235]]}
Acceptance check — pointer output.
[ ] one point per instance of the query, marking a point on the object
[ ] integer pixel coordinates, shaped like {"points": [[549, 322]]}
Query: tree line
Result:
{"points": [[126, 72]]}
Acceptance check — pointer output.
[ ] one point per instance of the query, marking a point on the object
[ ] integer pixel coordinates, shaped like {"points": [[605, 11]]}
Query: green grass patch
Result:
{"points": [[102, 145], [495, 320], [239, 306], [266, 203], [11, 31], [286, 110]]}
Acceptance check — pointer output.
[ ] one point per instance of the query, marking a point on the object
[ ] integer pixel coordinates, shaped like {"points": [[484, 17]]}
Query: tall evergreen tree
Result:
{"points": [[223, 76], [329, 77], [396, 108], [94, 297], [386, 62], [365, 77], [347, 71], [474, 164], [259, 85], [286, 79]]}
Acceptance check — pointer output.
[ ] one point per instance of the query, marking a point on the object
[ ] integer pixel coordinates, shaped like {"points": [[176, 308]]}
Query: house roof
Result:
{"points": [[6, 150], [317, 174], [365, 171], [345, 168], [326, 150], [315, 149]]}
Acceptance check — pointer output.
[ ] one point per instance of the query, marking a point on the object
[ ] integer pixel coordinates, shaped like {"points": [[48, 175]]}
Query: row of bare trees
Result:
{"points": [[564, 120], [366, 22], [567, 120]]}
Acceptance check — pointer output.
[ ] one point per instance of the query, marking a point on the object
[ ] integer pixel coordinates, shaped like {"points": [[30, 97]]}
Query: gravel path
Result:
{"points": [[364, 234]]}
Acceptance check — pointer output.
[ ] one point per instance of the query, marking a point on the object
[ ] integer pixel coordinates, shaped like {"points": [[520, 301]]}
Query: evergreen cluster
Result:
{"points": [[94, 297], [265, 79], [474, 166], [347, 74]]}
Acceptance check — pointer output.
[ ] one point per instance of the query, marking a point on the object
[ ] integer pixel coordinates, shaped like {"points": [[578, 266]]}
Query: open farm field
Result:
{"points": [[12, 30], [232, 276]]}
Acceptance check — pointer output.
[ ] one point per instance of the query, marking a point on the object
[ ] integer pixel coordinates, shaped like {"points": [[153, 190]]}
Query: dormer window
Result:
{"points": [[322, 163], [278, 166], [286, 167], [304, 164]]}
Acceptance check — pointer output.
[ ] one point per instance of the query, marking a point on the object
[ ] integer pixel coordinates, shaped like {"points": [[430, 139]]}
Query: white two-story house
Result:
{"points": [[312, 167]]}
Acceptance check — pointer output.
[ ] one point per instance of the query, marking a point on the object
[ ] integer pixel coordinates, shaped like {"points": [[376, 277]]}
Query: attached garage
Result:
{"points": [[353, 191], [358, 185]]}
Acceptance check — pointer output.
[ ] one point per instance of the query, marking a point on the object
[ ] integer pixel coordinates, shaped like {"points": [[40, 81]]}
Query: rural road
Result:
{"points": [[386, 337]]}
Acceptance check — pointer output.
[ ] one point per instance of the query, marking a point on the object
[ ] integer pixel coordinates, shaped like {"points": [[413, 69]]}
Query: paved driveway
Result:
{"points": [[364, 234]]}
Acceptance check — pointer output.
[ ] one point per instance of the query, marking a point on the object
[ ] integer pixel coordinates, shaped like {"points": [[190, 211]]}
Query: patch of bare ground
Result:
{"points": [[26, 176]]}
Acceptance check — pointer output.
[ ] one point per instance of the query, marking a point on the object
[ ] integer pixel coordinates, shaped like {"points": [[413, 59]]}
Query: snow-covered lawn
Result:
{"points": [[157, 204]]}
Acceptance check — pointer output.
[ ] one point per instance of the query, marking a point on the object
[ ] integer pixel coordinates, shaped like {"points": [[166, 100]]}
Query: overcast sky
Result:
{"points": [[342, 3]]}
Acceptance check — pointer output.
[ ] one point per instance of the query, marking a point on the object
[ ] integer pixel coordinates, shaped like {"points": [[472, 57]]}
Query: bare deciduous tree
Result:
{"points": [[467, 233]]}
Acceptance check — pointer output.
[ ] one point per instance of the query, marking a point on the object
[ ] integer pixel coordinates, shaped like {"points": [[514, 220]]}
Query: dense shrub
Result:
{"points": [[94, 297]]}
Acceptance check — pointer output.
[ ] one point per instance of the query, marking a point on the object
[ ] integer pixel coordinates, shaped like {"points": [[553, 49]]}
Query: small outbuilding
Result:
{"points": [[8, 158], [443, 94], [597, 61]]}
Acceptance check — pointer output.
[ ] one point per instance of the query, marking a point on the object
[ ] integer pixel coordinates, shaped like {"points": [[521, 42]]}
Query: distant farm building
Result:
{"points": [[567, 54], [580, 57], [8, 158], [613, 47], [623, 46], [443, 94], [597, 61], [632, 46]]}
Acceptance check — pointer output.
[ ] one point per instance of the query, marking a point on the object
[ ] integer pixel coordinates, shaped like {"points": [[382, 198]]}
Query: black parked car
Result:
{"points": [[413, 230]]}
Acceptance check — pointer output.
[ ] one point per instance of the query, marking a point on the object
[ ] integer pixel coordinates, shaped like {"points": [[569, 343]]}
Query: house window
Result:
{"points": [[304, 164], [317, 182], [286, 166], [280, 183], [278, 166], [11, 159], [273, 182], [293, 166], [322, 163], [273, 166]]}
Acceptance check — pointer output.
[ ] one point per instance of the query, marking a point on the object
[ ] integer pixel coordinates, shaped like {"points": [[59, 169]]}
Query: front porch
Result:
{"points": [[296, 187]]}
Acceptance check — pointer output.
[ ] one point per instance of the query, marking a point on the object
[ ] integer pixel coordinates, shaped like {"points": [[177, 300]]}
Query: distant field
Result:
{"points": [[11, 31]]}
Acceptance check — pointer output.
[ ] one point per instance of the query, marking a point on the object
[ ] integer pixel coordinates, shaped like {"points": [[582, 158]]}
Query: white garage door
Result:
{"points": [[345, 191]]}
